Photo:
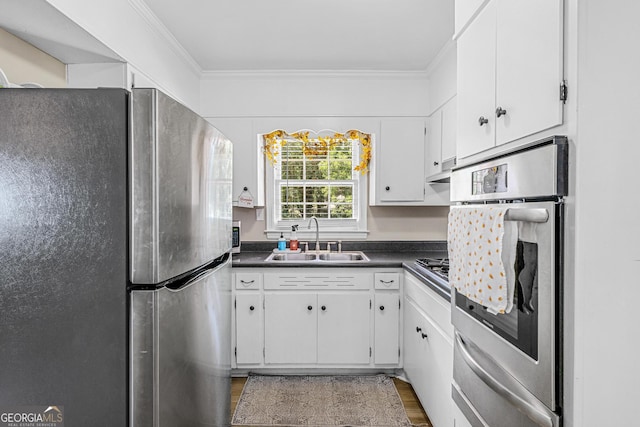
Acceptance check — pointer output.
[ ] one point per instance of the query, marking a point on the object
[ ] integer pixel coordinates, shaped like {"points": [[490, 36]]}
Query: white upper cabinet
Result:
{"points": [[476, 84], [509, 73], [398, 157], [433, 161], [448, 141], [247, 159], [528, 67], [441, 140]]}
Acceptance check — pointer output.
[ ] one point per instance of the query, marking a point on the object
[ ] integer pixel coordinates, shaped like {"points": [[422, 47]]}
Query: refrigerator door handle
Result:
{"points": [[180, 284], [513, 392]]}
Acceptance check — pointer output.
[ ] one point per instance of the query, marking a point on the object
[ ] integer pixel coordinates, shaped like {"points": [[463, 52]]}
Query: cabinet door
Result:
{"points": [[387, 328], [248, 328], [291, 323], [429, 367], [449, 116], [343, 328], [476, 84], [528, 67], [433, 162], [246, 167], [400, 160]]}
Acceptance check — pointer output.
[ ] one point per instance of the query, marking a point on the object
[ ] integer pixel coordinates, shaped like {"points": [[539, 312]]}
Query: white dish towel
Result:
{"points": [[482, 250]]}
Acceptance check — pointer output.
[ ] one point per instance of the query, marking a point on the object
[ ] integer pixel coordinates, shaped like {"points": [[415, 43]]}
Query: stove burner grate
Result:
{"points": [[437, 265]]}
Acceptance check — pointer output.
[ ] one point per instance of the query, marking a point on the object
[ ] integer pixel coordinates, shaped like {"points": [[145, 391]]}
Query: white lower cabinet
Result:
{"points": [[387, 337], [290, 325], [341, 317], [428, 350], [343, 328], [308, 328], [249, 318]]}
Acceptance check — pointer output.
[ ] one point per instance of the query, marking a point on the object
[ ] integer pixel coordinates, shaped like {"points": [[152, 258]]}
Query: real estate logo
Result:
{"points": [[32, 416]]}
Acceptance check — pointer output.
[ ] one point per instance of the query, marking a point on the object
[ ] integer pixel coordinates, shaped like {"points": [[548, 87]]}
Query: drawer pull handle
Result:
{"points": [[247, 282], [482, 121], [387, 282], [251, 308], [418, 329], [382, 308], [424, 335], [309, 308], [324, 308]]}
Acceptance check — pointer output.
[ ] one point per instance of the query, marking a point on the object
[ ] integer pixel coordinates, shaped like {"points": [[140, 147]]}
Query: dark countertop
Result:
{"points": [[385, 254]]}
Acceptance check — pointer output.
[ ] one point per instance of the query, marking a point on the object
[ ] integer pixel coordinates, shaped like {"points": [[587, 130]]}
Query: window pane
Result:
{"points": [[341, 194], [317, 194], [294, 194], [292, 169], [318, 210], [341, 169], [317, 169], [341, 152], [292, 150], [292, 211], [341, 210]]}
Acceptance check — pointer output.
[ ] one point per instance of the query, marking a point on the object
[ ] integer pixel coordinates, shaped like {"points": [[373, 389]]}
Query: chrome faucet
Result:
{"points": [[313, 218]]}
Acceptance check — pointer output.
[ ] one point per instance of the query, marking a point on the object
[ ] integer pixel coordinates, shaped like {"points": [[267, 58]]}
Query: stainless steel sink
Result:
{"points": [[292, 257], [320, 257], [343, 256]]}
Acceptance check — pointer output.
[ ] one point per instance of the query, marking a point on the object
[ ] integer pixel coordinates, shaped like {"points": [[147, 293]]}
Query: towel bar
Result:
{"points": [[528, 215]]}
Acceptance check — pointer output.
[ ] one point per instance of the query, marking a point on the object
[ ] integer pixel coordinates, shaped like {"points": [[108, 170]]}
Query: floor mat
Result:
{"points": [[320, 401]]}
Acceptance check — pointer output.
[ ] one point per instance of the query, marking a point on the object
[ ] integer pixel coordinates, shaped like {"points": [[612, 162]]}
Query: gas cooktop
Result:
{"points": [[434, 271]]}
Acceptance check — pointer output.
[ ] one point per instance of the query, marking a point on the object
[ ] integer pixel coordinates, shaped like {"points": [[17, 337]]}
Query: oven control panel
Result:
{"points": [[489, 180]]}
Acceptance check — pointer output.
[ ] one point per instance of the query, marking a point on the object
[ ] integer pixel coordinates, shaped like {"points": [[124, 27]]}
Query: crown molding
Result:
{"points": [[355, 74], [444, 51], [156, 25]]}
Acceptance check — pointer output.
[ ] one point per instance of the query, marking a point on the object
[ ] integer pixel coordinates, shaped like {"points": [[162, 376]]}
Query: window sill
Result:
{"points": [[310, 236]]}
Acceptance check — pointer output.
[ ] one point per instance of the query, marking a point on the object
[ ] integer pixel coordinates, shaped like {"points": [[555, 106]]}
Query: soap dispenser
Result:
{"points": [[282, 243]]}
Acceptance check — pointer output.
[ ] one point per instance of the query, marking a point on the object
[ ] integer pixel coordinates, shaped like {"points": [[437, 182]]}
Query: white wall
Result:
{"points": [[126, 27], [607, 230], [288, 94], [329, 94]]}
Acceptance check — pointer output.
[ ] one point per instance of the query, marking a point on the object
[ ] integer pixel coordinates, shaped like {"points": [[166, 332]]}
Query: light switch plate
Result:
{"points": [[259, 214]]}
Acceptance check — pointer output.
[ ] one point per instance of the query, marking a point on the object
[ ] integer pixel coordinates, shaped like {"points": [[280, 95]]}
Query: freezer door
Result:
{"points": [[180, 189], [180, 358], [63, 245]]}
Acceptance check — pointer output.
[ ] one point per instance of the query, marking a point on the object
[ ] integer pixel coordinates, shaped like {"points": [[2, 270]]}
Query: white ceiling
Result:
{"points": [[301, 35]]}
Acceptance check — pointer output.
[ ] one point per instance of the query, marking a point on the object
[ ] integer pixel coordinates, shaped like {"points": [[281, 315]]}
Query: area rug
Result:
{"points": [[320, 401]]}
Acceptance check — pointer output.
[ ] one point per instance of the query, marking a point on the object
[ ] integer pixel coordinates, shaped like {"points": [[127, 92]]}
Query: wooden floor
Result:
{"points": [[412, 405]]}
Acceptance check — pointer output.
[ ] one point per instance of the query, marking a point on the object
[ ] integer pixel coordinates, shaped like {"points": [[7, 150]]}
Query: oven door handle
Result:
{"points": [[539, 215], [509, 388]]}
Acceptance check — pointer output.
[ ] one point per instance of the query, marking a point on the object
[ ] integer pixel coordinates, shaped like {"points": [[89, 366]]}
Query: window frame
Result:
{"points": [[330, 228]]}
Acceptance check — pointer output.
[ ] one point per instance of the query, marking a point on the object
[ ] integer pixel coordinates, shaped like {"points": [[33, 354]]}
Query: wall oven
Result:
{"points": [[508, 367]]}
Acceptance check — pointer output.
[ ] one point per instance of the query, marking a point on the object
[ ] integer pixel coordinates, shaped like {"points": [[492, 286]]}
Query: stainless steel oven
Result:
{"points": [[508, 367]]}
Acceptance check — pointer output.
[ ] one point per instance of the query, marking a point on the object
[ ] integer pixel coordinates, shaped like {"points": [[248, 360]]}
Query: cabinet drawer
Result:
{"points": [[429, 302], [387, 280], [317, 280], [248, 280]]}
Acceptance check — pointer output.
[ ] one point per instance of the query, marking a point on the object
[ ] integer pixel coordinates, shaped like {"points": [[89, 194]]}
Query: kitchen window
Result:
{"points": [[317, 175]]}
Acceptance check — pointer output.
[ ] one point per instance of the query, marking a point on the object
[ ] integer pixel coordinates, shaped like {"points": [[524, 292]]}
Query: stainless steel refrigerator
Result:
{"points": [[115, 281]]}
